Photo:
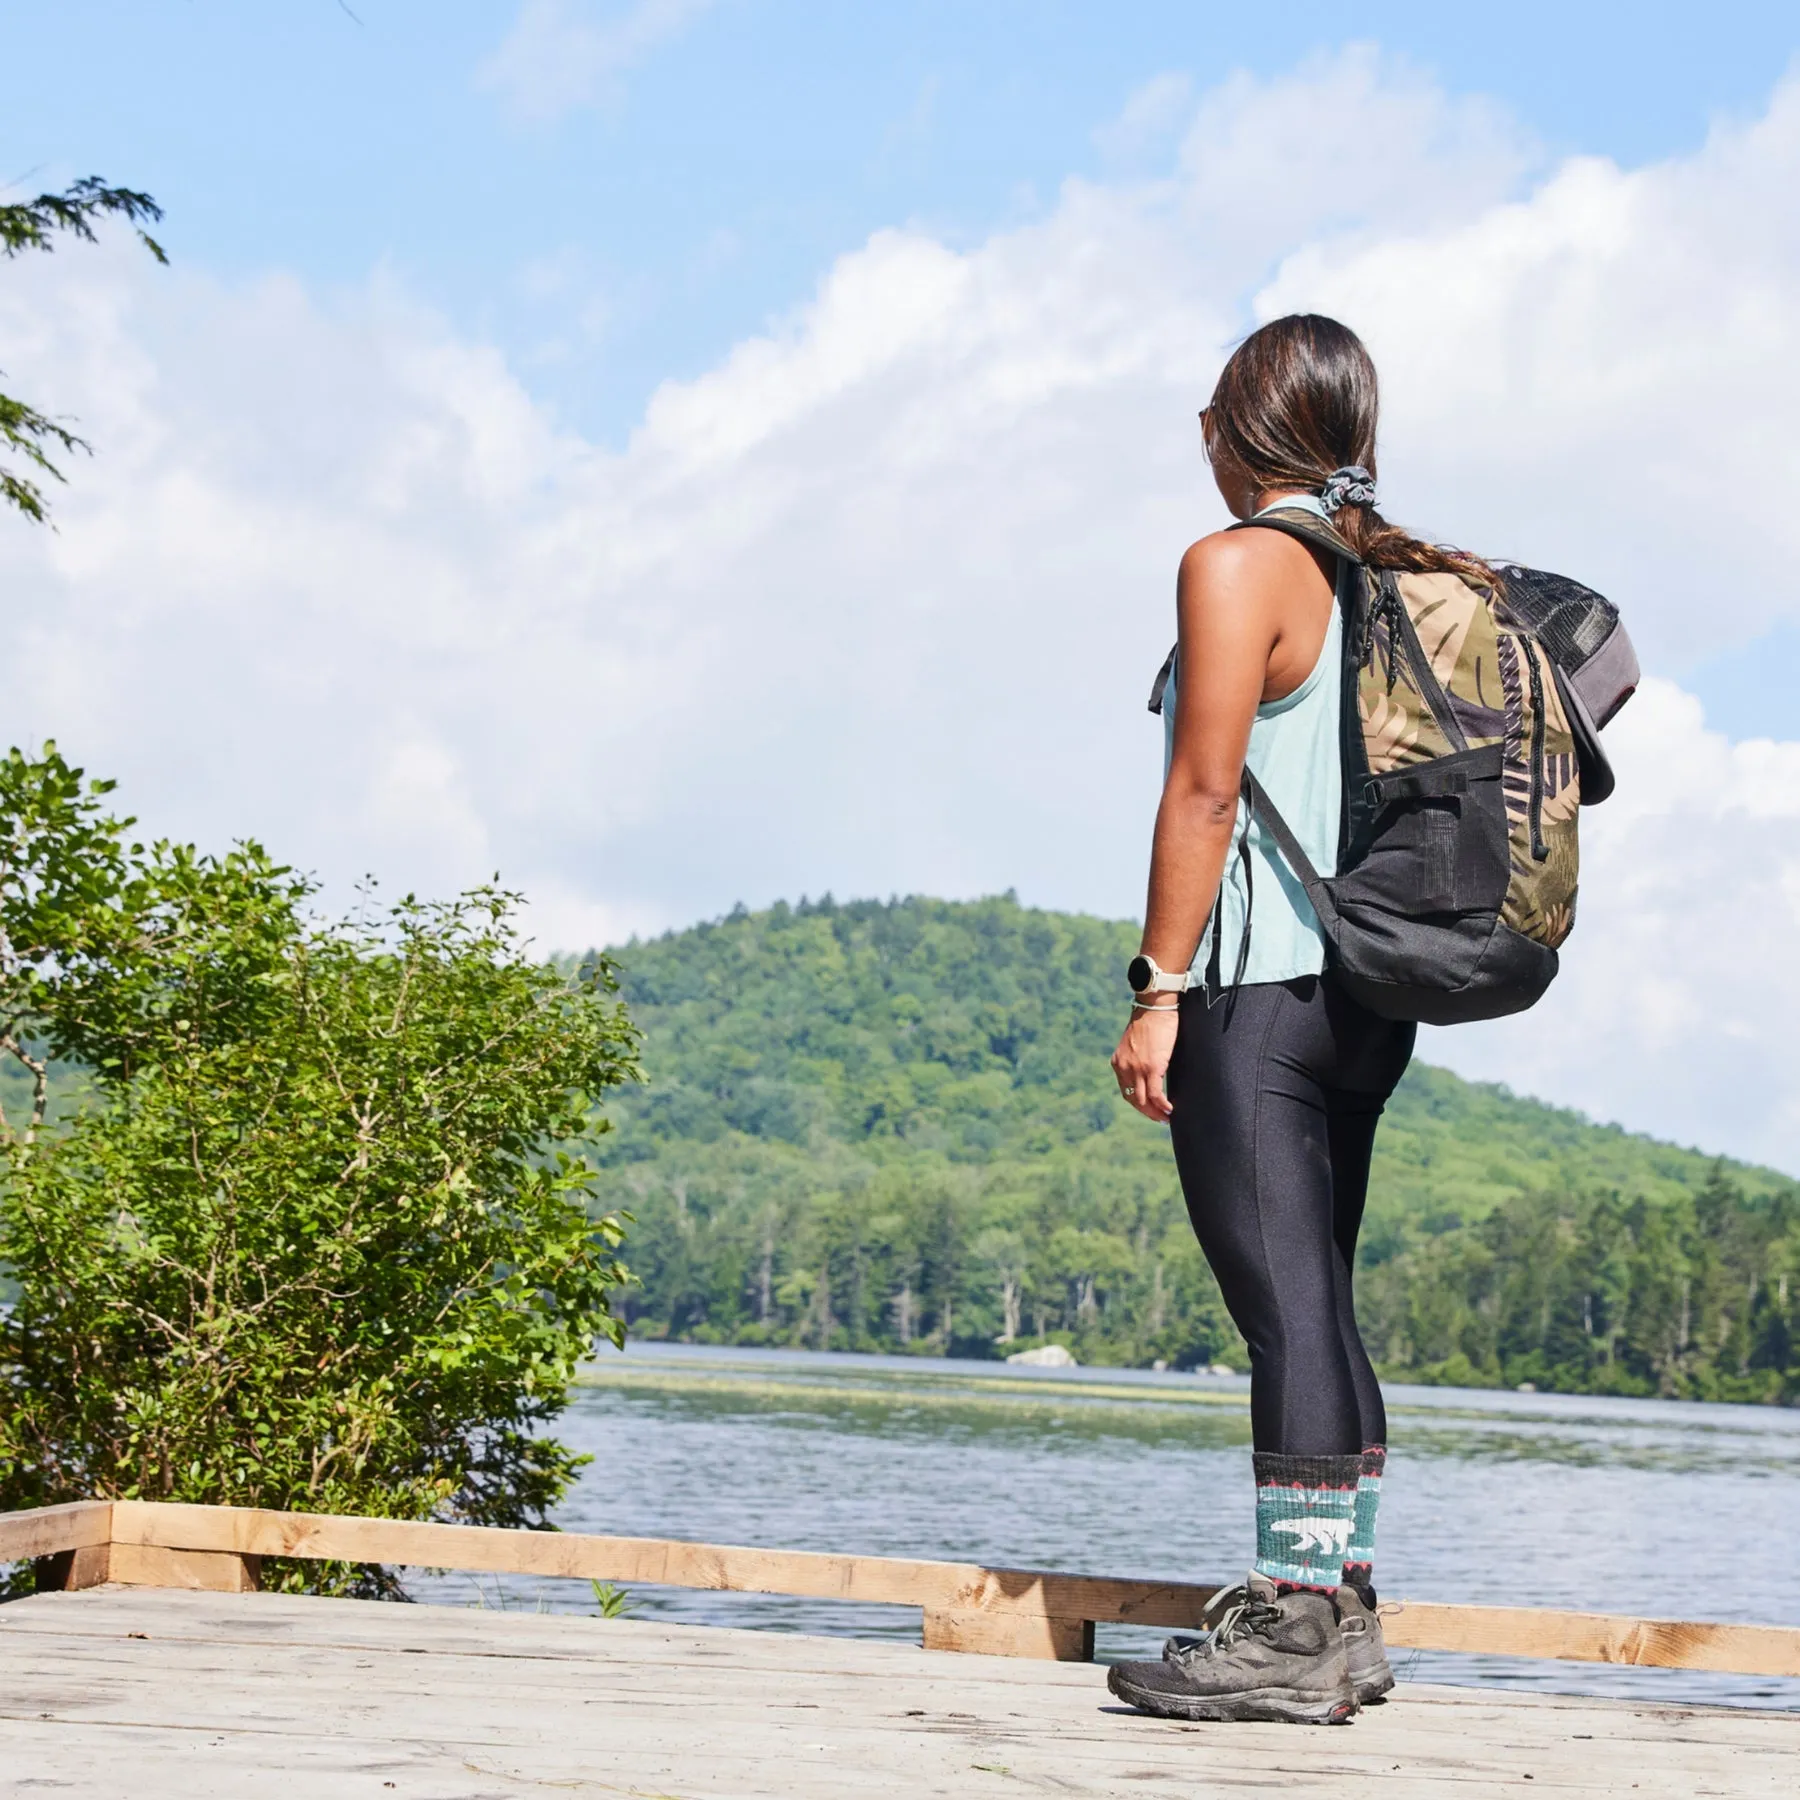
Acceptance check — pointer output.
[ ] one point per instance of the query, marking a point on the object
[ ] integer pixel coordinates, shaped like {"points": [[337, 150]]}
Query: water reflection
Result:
{"points": [[1606, 1505]]}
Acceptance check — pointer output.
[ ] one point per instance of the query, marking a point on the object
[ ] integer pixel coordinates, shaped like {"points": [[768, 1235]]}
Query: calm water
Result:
{"points": [[1655, 1507]]}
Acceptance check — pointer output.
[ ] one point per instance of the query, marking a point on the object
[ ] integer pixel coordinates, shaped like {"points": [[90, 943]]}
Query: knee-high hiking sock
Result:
{"points": [[1305, 1514], [1359, 1559]]}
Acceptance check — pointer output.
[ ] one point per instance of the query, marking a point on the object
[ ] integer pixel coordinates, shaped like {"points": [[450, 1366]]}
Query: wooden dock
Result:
{"points": [[150, 1667], [122, 1693]]}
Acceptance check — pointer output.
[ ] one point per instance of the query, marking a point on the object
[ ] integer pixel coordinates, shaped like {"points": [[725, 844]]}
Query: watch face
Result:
{"points": [[1139, 973]]}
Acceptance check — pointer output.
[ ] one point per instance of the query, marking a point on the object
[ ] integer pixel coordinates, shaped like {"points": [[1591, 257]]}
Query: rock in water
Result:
{"points": [[1046, 1356]]}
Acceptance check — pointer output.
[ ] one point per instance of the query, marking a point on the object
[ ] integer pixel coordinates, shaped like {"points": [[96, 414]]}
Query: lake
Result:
{"points": [[1665, 1508]]}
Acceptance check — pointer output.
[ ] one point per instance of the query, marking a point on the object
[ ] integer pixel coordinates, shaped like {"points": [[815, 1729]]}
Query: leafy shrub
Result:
{"points": [[319, 1240]]}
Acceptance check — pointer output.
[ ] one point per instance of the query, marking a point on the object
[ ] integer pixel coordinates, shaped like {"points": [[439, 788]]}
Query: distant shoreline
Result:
{"points": [[873, 1377]]}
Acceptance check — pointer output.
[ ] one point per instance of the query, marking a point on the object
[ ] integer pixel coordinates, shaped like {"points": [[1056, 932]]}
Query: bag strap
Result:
{"points": [[1213, 988], [1256, 797], [1314, 532], [1301, 524]]}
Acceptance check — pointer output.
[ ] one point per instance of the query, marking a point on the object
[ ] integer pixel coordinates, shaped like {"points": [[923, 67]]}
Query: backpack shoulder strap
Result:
{"points": [[1352, 589], [1355, 581], [1297, 523], [1308, 527], [1264, 810]]}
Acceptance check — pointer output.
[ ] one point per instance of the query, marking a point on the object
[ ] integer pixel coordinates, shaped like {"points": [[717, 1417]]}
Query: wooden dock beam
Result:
{"points": [[1003, 1612], [71, 1545], [1009, 1634], [205, 1571]]}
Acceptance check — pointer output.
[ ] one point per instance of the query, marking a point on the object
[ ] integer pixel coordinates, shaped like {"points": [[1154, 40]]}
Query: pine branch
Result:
{"points": [[26, 430], [33, 224]]}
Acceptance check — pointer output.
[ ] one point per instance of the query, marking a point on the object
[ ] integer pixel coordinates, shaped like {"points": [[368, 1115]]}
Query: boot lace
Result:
{"points": [[1241, 1614]]}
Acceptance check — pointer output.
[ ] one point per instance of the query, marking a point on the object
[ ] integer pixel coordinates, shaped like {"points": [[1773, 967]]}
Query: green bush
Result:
{"points": [[318, 1240]]}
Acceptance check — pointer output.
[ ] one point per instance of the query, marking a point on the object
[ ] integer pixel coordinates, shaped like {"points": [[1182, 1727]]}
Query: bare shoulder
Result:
{"points": [[1234, 559]]}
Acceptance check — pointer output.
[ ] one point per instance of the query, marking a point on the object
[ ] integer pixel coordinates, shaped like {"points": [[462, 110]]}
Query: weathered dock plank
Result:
{"points": [[170, 1695]]}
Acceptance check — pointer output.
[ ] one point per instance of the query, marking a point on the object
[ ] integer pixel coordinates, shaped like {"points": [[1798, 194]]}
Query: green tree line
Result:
{"points": [[890, 1126]]}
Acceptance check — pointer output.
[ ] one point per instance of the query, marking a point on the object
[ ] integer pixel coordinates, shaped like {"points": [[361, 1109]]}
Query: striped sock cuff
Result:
{"points": [[1368, 1500], [1305, 1513]]}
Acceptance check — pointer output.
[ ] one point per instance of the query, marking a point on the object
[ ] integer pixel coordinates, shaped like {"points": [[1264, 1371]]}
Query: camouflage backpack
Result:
{"points": [[1471, 724]]}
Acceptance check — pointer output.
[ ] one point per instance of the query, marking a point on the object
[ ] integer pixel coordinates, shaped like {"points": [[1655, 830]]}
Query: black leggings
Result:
{"points": [[1277, 1091]]}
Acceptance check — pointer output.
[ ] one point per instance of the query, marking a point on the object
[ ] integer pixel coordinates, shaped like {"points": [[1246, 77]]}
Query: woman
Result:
{"points": [[1270, 1078]]}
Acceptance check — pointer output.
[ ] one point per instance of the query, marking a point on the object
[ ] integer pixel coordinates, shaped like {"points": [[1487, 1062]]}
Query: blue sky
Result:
{"points": [[675, 452], [627, 227], [633, 225]]}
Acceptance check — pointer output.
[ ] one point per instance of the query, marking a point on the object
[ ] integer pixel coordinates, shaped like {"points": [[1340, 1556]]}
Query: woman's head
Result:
{"points": [[1298, 403]]}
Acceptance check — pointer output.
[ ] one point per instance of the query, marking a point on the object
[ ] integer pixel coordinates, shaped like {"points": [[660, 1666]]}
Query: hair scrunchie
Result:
{"points": [[1352, 486]]}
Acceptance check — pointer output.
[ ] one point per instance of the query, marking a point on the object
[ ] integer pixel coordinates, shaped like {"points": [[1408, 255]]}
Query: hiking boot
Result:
{"points": [[1364, 1648], [1271, 1656]]}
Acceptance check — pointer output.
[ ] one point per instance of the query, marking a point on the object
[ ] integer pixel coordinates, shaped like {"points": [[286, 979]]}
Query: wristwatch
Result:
{"points": [[1144, 977]]}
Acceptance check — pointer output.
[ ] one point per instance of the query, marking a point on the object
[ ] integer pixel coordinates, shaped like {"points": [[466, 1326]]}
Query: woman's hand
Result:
{"points": [[1141, 1061]]}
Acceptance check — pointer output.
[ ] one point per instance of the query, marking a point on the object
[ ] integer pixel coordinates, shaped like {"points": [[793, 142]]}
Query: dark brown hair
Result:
{"points": [[1297, 401]]}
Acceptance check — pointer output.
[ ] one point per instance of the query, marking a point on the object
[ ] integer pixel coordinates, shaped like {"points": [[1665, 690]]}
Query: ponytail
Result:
{"points": [[1296, 407], [1385, 546]]}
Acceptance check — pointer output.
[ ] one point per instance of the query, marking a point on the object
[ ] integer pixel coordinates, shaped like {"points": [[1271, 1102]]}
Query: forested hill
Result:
{"points": [[880, 1125]]}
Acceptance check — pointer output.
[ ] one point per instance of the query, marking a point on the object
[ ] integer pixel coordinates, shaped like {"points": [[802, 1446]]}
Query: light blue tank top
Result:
{"points": [[1296, 754]]}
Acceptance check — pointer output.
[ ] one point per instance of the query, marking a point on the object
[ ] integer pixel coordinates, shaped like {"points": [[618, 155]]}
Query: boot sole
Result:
{"points": [[1273, 1705]]}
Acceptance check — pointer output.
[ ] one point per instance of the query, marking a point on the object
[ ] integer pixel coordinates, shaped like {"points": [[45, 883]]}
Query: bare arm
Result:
{"points": [[1229, 625]]}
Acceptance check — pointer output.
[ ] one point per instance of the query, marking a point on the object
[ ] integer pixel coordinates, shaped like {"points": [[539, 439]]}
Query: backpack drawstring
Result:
{"points": [[1387, 605]]}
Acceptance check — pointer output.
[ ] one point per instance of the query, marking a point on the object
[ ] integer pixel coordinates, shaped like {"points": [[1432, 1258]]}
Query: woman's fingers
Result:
{"points": [[1152, 1098], [1148, 1092], [1125, 1069], [1140, 1064]]}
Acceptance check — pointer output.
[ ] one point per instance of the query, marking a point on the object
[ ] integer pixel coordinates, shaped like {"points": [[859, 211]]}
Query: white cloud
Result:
{"points": [[1672, 1007], [1153, 113], [418, 803], [873, 604], [558, 56], [1604, 372]]}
